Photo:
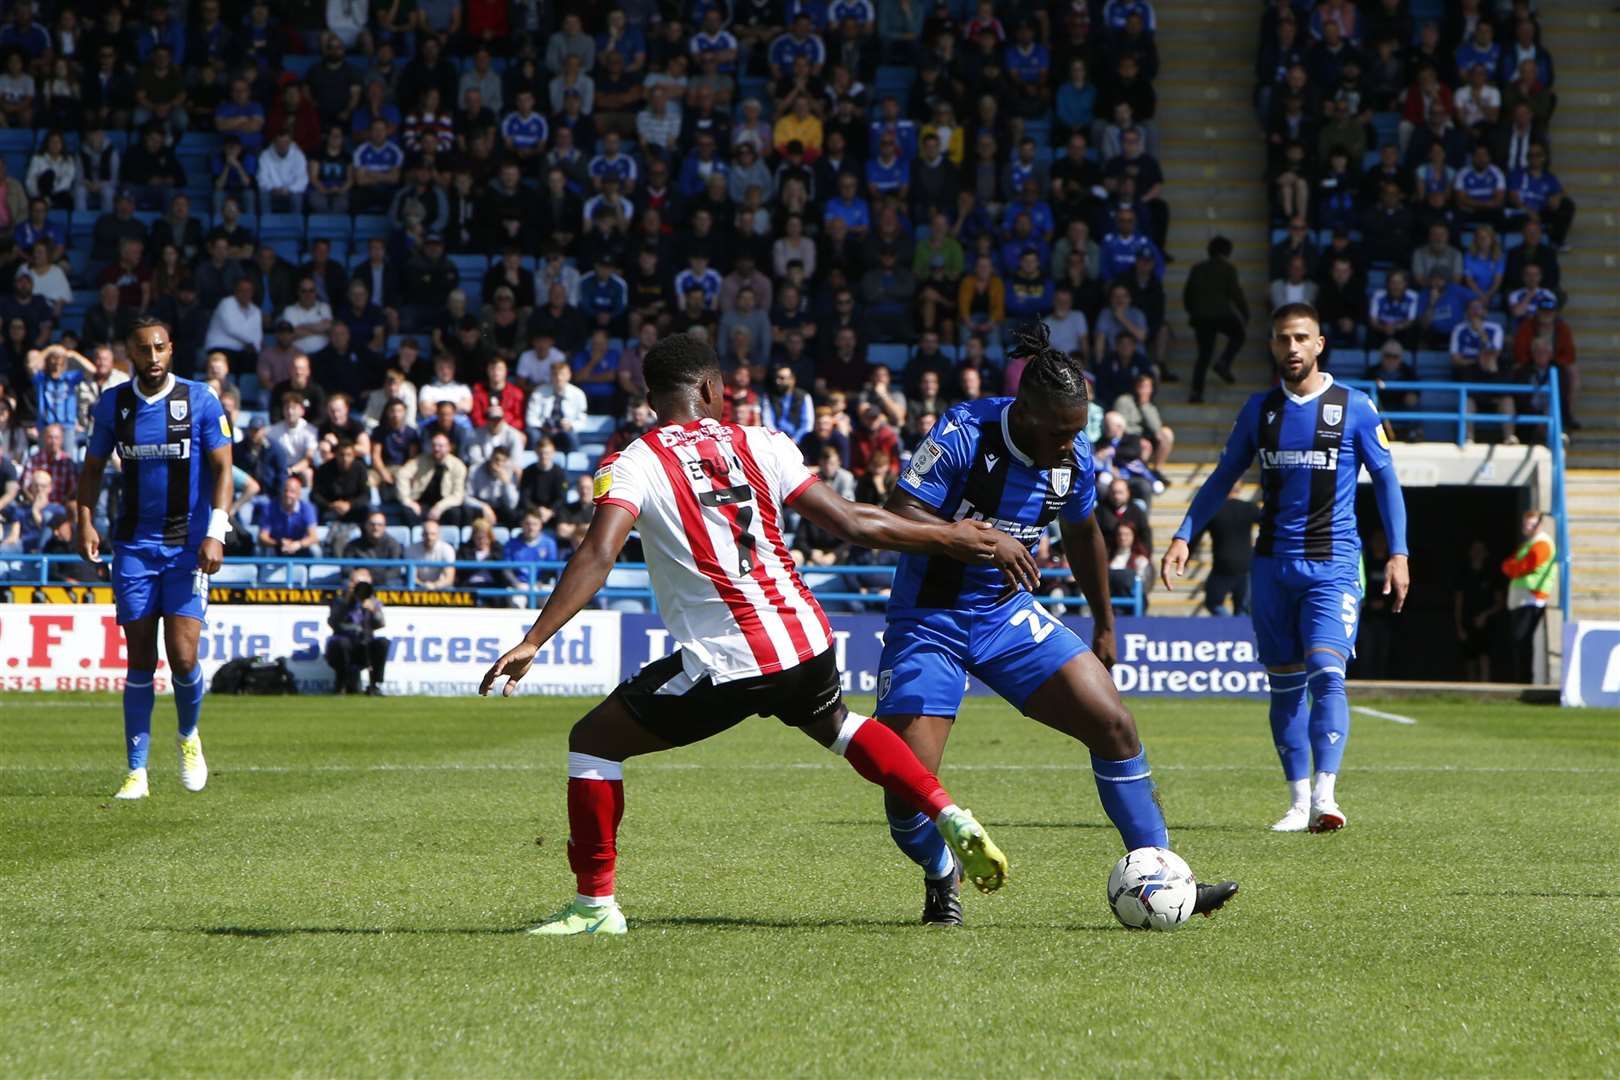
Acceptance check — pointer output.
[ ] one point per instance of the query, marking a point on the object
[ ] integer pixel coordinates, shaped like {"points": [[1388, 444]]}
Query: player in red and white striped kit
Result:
{"points": [[708, 500]]}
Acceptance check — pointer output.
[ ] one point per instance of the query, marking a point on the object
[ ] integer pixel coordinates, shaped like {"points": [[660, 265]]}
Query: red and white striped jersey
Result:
{"points": [[708, 499]]}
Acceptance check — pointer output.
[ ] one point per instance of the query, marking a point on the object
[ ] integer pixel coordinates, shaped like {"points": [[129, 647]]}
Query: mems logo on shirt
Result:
{"points": [[1299, 459]]}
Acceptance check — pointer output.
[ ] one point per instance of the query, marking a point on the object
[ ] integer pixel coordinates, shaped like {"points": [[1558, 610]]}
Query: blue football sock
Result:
{"points": [[922, 843], [137, 716], [188, 697], [1290, 721], [1330, 711], [1126, 790]]}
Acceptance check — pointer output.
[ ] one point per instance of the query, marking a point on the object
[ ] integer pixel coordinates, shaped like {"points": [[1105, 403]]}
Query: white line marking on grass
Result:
{"points": [[676, 766], [1396, 717]]}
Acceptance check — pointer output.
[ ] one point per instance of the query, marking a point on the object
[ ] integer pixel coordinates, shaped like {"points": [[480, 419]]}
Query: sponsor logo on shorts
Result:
{"points": [[885, 681]]}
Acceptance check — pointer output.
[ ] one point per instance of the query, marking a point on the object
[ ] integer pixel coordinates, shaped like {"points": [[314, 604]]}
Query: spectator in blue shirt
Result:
{"points": [[1076, 101], [530, 544], [888, 173], [287, 524], [1445, 304], [1029, 68], [378, 165], [787, 408], [27, 523], [849, 207], [242, 116], [1535, 190], [701, 276], [800, 40], [1392, 313], [1120, 247], [1115, 12], [1029, 290], [524, 132], [891, 122], [714, 40], [612, 162], [604, 297], [1480, 49], [1481, 188], [625, 39], [58, 372], [698, 166]]}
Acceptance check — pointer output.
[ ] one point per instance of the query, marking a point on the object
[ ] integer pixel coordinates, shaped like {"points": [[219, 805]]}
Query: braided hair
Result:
{"points": [[1050, 375]]}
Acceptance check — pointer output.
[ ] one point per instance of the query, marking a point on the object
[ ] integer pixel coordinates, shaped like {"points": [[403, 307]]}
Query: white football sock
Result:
{"points": [[1299, 793], [596, 901], [1324, 788]]}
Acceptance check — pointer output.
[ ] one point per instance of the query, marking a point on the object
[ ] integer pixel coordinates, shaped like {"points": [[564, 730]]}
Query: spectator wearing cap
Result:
{"points": [[1390, 368], [492, 434]]}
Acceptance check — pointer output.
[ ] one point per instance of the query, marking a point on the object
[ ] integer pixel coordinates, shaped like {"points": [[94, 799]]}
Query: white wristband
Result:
{"points": [[219, 523]]}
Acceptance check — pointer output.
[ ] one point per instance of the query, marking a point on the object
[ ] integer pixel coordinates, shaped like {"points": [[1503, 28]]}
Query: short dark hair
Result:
{"points": [[1219, 248], [679, 362], [1049, 373], [1297, 310], [144, 322]]}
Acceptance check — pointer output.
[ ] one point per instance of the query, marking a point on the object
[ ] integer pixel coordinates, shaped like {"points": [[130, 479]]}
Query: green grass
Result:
{"points": [[347, 897]]}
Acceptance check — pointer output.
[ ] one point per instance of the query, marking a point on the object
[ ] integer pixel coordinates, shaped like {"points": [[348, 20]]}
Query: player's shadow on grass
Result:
{"points": [[300, 931], [1545, 894]]}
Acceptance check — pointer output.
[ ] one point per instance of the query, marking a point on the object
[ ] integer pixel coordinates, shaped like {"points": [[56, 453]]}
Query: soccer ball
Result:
{"points": [[1152, 889]]}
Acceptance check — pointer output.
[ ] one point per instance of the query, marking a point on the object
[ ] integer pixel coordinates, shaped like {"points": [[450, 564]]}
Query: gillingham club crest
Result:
{"points": [[1061, 479], [1332, 414], [178, 408]]}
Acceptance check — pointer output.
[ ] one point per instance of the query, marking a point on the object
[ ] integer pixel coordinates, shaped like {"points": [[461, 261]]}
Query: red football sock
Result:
{"points": [[595, 808], [883, 757]]}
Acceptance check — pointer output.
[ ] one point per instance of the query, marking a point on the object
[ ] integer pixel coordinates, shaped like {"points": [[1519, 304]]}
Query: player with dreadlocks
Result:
{"points": [[1018, 464]]}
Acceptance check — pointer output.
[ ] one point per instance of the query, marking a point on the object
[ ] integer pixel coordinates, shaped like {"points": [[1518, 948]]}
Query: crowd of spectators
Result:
{"points": [[420, 248], [1410, 178]]}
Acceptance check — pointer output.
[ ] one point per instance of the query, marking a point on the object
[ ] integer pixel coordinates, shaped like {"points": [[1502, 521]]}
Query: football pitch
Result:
{"points": [[347, 898]]}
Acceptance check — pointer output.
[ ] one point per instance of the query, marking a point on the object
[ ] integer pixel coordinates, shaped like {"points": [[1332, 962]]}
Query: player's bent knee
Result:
{"points": [[1326, 672]]}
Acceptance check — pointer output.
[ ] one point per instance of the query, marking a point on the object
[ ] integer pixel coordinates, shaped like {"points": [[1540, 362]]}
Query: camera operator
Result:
{"points": [[355, 617]]}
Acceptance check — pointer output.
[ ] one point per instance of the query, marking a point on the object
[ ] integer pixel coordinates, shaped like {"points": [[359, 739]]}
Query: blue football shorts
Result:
{"points": [[147, 583], [1013, 648], [1302, 604]]}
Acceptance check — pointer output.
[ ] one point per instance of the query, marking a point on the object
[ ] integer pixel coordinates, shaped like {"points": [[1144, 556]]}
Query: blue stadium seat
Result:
{"points": [[401, 533], [368, 225], [1386, 125], [334, 227], [1433, 364], [281, 227], [299, 65], [892, 357], [15, 139], [470, 266], [595, 424], [286, 247]]}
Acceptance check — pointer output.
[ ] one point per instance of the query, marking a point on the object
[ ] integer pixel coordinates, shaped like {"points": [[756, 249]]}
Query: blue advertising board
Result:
{"points": [[1592, 664], [1161, 655]]}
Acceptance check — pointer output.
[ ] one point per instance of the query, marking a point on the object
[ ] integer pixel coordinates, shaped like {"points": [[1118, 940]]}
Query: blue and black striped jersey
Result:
{"points": [[163, 442], [968, 467], [1311, 450]]}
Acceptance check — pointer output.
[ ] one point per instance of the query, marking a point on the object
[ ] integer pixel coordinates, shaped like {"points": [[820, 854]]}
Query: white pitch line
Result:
{"points": [[673, 766], [1396, 717]]}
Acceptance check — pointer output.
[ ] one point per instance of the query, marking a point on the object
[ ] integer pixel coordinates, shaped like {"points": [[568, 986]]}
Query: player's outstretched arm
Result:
{"points": [[920, 531], [582, 579]]}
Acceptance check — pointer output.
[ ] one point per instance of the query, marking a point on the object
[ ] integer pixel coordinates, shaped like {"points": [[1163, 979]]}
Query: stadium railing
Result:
{"points": [[535, 579], [1462, 416]]}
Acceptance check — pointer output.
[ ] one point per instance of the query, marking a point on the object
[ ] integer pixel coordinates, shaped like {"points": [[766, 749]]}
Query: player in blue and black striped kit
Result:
{"points": [[1019, 464], [174, 440], [1312, 437]]}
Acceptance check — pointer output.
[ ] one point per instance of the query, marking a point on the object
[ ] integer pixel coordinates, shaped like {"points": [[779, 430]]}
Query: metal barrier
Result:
{"points": [[1462, 416], [534, 582]]}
